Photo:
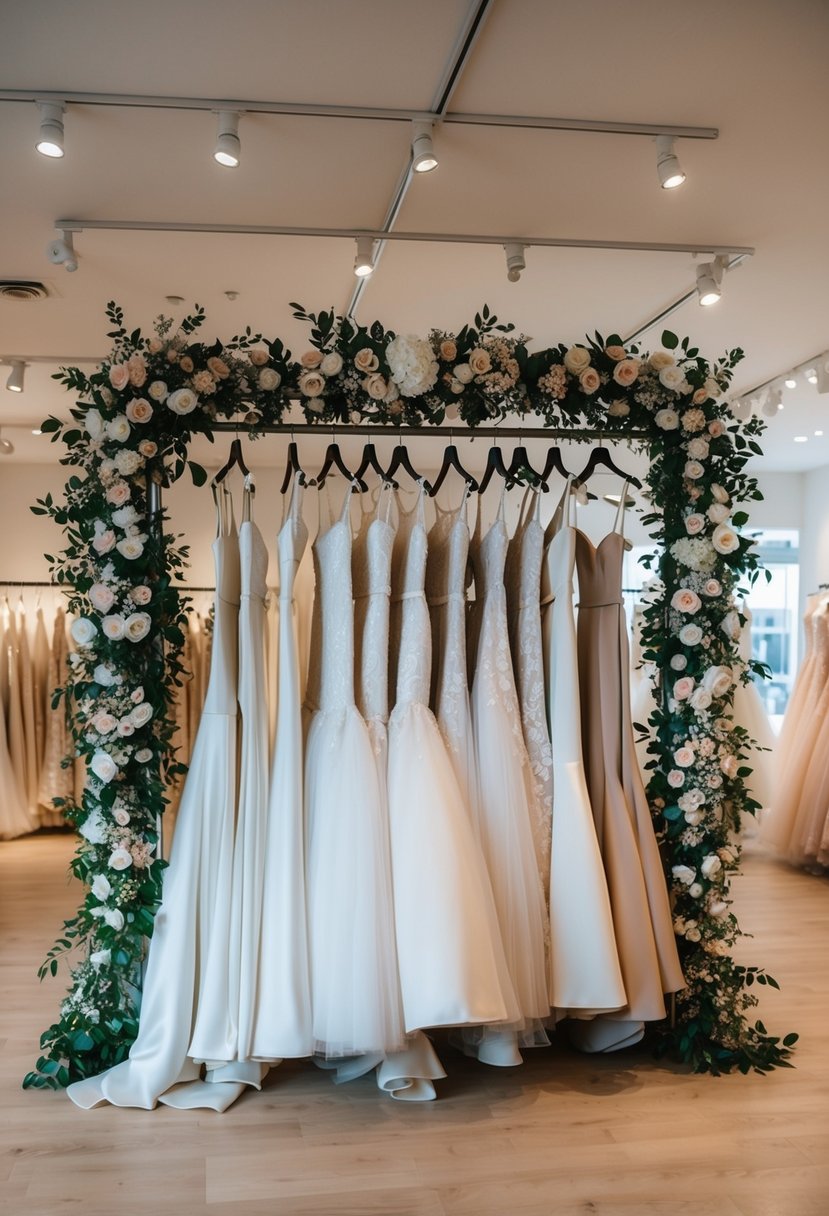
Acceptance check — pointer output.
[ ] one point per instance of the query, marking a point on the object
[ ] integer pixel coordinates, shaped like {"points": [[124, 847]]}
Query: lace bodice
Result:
{"points": [[371, 573], [412, 630], [222, 680], [332, 553]]}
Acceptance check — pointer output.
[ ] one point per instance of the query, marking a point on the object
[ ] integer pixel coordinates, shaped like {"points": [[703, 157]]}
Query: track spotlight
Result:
{"points": [[6, 447], [364, 257], [823, 375], [50, 140], [14, 382], [773, 402], [791, 382], [811, 376], [423, 154], [667, 163], [61, 252], [228, 150], [516, 262], [709, 281]]}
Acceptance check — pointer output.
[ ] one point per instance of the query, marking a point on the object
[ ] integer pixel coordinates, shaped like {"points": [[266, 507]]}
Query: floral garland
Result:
{"points": [[133, 421]]}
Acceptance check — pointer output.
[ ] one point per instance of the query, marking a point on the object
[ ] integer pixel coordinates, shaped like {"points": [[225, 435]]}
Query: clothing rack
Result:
{"points": [[439, 432]]}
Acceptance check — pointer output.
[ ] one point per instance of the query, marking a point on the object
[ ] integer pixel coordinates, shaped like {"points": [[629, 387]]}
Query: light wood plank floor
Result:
{"points": [[563, 1136]]}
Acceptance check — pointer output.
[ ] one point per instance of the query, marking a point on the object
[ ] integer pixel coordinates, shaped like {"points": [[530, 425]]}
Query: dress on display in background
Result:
{"points": [[56, 782], [750, 712], [14, 815]]}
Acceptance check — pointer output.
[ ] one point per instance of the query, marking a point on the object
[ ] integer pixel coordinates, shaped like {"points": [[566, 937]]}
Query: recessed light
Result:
{"points": [[818, 433], [801, 438]]}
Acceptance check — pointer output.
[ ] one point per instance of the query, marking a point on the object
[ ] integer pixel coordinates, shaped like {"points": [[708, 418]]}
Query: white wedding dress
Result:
{"points": [[508, 803], [586, 974], [195, 908], [452, 966], [282, 1026], [14, 816], [354, 993]]}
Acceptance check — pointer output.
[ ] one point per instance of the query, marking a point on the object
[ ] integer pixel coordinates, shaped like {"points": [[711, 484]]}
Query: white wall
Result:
{"points": [[814, 536]]}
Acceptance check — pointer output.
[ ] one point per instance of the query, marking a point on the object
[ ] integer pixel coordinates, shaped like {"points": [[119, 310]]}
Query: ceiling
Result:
{"points": [[753, 68]]}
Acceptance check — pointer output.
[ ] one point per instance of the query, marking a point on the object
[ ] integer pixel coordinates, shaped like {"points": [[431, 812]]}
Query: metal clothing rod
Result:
{"points": [[22, 582], [434, 432]]}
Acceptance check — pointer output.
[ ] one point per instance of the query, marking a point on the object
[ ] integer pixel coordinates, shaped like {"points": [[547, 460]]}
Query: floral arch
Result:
{"points": [[133, 421]]}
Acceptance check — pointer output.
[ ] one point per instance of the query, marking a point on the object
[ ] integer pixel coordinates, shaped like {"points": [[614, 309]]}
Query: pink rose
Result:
{"points": [[101, 597], [683, 687], [376, 386], [119, 376], [118, 493], [137, 370], [126, 728], [686, 600], [676, 779], [684, 757], [154, 346], [719, 494], [700, 396], [712, 587], [258, 357], [616, 353], [479, 360], [589, 380], [139, 410], [716, 428], [625, 373], [729, 765], [693, 470], [694, 523], [366, 361], [186, 363], [448, 351], [104, 541], [104, 723], [311, 358], [147, 448], [218, 367], [141, 595]]}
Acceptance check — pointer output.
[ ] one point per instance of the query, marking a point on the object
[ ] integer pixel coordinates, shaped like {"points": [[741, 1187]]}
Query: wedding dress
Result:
{"points": [[15, 731], [194, 908], [56, 782], [446, 576], [749, 712], [42, 691], [282, 1026], [25, 675], [452, 966], [636, 880], [14, 815], [508, 801], [523, 586], [354, 993], [406, 1074], [586, 976]]}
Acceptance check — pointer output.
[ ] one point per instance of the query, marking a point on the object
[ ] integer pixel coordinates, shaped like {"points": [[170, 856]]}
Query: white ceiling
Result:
{"points": [[753, 68]]}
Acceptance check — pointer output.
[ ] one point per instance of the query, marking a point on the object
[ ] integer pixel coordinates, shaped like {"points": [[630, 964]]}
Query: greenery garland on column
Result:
{"points": [[134, 418]]}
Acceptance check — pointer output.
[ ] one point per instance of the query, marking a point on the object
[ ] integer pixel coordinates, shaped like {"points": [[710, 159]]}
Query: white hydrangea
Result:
{"points": [[413, 365], [694, 552]]}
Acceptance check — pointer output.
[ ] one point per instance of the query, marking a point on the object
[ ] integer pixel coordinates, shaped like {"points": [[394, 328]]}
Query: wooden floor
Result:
{"points": [[563, 1136]]}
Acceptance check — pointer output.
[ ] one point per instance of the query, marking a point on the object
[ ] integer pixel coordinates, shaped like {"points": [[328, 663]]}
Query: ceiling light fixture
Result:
{"points": [[709, 281], [61, 252], [36, 430], [228, 150], [17, 374], [667, 163], [791, 382], [516, 262], [6, 447], [773, 402], [801, 438], [811, 376], [423, 153], [818, 433], [50, 140], [364, 257]]}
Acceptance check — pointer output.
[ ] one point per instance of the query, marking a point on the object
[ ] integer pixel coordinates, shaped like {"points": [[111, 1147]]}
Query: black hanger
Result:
{"points": [[292, 468], [494, 464], [400, 460], [333, 460], [370, 461], [520, 463], [235, 458], [553, 464], [451, 460], [601, 456]]}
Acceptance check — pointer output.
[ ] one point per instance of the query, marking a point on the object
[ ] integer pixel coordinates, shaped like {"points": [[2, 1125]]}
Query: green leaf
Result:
{"points": [[669, 341], [739, 518], [81, 1041], [198, 474]]}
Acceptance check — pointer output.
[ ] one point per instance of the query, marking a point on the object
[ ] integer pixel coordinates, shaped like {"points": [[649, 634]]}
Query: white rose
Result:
{"points": [[114, 917], [672, 378], [694, 817], [698, 449], [719, 494], [137, 626], [99, 958], [711, 865], [718, 909], [694, 523], [577, 359], [725, 539], [143, 755], [718, 680], [660, 359], [183, 401], [690, 635], [332, 364], [310, 359], [125, 728], [679, 662], [118, 428], [103, 766], [693, 470], [124, 516], [103, 676], [268, 379], [701, 699], [667, 419], [686, 600], [718, 512], [479, 361], [94, 424], [83, 630], [101, 597], [113, 627], [311, 384], [130, 547], [695, 890], [463, 372], [141, 714], [158, 390], [730, 625], [121, 816], [684, 874], [120, 859], [127, 461], [101, 888]]}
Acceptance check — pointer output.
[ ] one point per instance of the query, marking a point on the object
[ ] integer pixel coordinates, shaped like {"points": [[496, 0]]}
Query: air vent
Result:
{"points": [[20, 290]]}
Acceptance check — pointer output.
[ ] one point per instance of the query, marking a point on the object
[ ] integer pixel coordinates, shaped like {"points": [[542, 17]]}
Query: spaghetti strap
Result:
{"points": [[346, 507], [619, 521], [502, 502], [561, 515]]}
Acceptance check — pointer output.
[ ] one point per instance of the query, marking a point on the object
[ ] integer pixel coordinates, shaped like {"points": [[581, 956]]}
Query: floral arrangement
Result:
{"points": [[133, 420]]}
